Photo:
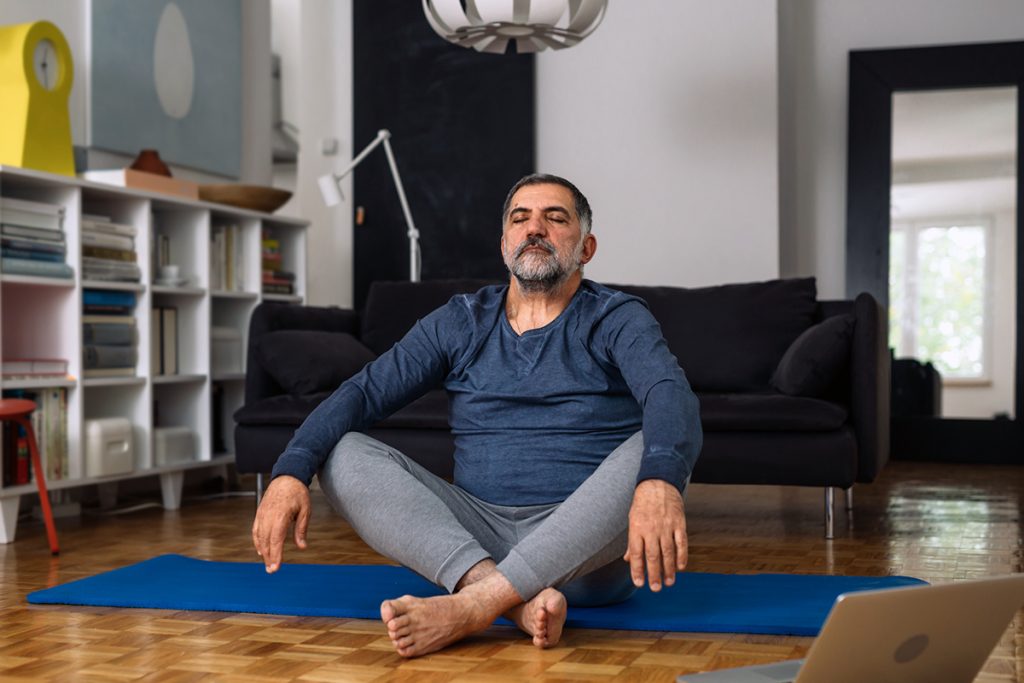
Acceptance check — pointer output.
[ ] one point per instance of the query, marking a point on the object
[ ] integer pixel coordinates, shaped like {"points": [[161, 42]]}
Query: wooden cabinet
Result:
{"points": [[219, 252]]}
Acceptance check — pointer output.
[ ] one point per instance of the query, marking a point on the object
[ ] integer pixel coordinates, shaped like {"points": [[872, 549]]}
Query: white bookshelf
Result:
{"points": [[42, 317]]}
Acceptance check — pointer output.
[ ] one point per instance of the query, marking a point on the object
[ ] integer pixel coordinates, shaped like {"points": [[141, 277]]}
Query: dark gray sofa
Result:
{"points": [[793, 391]]}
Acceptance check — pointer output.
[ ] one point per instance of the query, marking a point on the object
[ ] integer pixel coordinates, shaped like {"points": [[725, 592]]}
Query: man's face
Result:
{"points": [[541, 241]]}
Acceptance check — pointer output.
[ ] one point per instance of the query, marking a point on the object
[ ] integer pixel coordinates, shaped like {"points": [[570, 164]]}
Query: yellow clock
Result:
{"points": [[35, 81]]}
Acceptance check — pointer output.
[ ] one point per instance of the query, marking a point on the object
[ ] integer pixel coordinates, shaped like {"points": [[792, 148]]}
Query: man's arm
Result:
{"points": [[672, 441], [416, 363]]}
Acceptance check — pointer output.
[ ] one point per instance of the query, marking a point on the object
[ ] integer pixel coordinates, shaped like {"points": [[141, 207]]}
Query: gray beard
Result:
{"points": [[541, 273]]}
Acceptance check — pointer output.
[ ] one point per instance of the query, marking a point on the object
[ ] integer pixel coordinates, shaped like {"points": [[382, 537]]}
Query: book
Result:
{"points": [[34, 366], [108, 356], [109, 320], [139, 180], [113, 334], [31, 255], [93, 373], [49, 423], [31, 219], [34, 245], [17, 266], [109, 254], [169, 340], [16, 204], [156, 349], [102, 224], [56, 236], [107, 297], [107, 240]]}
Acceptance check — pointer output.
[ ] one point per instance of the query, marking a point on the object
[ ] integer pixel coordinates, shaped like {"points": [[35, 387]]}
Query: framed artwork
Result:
{"points": [[168, 76]]}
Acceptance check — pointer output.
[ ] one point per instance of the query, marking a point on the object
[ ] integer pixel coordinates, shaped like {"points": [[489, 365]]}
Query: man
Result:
{"points": [[575, 433]]}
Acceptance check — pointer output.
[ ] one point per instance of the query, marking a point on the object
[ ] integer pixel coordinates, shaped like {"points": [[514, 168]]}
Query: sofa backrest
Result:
{"points": [[392, 308], [731, 337]]}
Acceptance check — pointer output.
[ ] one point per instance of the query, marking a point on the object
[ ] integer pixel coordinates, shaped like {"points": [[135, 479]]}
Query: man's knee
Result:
{"points": [[353, 456]]}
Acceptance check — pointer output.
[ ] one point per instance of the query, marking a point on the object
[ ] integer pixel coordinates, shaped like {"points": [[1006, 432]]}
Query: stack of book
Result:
{"points": [[50, 424], [108, 250], [163, 338], [227, 262], [275, 279], [34, 368], [32, 239], [109, 338]]}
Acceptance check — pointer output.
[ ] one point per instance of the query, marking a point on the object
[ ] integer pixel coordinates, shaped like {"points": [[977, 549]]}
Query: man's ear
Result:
{"points": [[589, 249]]}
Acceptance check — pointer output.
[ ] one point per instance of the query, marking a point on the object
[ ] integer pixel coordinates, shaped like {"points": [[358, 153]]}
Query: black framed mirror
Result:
{"points": [[875, 77]]}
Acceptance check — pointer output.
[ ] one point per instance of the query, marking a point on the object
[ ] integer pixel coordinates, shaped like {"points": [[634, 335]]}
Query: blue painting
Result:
{"points": [[168, 76]]}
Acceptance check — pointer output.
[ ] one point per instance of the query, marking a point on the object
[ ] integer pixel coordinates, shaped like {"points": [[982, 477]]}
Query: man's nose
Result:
{"points": [[536, 226]]}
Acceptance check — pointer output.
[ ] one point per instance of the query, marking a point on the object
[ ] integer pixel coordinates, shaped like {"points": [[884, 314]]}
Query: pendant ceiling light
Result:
{"points": [[531, 25]]}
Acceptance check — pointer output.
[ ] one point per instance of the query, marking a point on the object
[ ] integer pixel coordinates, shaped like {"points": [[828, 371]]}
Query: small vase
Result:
{"points": [[149, 161]]}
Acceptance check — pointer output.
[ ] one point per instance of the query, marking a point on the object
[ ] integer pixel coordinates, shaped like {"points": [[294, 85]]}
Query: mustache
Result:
{"points": [[534, 241]]}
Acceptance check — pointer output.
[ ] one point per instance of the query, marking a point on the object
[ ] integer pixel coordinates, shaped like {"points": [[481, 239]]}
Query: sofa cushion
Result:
{"points": [[307, 361], [768, 412], [430, 411], [730, 338], [392, 308], [816, 359], [283, 409]]}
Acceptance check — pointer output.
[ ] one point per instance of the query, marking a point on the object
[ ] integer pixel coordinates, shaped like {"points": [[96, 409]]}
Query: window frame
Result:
{"points": [[912, 227]]}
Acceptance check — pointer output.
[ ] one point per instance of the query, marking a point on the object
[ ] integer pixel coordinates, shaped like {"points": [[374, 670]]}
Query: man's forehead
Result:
{"points": [[543, 195]]}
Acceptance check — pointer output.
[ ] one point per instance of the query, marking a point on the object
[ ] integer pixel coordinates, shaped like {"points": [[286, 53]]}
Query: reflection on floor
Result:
{"points": [[936, 522]]}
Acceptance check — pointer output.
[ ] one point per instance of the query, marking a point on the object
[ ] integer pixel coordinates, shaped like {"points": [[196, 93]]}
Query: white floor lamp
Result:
{"points": [[330, 189]]}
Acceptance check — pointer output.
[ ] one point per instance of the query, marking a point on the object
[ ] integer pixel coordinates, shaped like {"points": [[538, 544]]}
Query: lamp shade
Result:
{"points": [[531, 25]]}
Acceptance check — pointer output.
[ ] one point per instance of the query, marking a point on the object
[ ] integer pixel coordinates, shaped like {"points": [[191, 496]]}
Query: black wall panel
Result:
{"points": [[463, 132]]}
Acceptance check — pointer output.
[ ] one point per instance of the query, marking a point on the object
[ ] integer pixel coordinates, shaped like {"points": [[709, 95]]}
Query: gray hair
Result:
{"points": [[582, 206]]}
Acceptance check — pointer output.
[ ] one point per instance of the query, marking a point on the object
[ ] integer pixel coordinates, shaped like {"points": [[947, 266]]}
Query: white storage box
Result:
{"points": [[225, 350], [173, 445], [108, 446]]}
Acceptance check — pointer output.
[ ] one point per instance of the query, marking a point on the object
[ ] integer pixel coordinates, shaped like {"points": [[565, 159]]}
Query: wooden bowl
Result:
{"points": [[254, 197]]}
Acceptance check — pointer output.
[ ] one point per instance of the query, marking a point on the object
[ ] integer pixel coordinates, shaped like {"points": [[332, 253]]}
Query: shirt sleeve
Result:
{"points": [[416, 363], [671, 413]]}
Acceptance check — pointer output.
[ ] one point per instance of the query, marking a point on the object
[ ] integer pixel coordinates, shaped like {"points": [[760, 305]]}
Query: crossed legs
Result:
{"points": [[493, 559]]}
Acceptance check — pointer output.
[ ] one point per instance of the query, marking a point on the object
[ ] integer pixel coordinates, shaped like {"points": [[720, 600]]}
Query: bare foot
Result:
{"points": [[418, 626], [542, 617]]}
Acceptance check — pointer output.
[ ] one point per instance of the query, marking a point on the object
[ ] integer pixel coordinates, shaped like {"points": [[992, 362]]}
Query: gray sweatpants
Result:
{"points": [[440, 531]]}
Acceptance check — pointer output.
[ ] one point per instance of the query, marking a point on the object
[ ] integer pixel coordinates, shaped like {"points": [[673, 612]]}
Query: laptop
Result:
{"points": [[915, 634]]}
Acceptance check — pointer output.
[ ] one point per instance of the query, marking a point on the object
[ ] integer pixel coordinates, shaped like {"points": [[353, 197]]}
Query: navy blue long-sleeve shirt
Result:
{"points": [[532, 415]]}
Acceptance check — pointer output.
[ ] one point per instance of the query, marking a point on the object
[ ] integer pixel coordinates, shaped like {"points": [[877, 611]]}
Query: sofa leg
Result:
{"points": [[830, 495], [259, 488], [849, 499]]}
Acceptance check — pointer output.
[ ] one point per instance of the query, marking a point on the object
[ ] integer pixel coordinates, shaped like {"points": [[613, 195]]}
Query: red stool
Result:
{"points": [[17, 410]]}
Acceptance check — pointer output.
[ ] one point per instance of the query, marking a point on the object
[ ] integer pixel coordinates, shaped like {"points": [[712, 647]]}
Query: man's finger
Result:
{"points": [[653, 553], [275, 548], [301, 524], [682, 550], [635, 555], [668, 559]]}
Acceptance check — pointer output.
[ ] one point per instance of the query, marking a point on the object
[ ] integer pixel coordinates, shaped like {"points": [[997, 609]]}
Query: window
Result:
{"points": [[939, 285]]}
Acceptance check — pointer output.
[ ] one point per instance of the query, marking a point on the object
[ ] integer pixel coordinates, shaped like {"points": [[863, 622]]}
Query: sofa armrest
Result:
{"points": [[869, 386], [273, 316]]}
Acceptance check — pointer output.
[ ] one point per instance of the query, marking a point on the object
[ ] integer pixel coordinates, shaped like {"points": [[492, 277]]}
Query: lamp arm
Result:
{"points": [[382, 135], [414, 234]]}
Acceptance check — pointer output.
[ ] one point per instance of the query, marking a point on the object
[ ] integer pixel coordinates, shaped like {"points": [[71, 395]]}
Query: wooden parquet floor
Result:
{"points": [[937, 522]]}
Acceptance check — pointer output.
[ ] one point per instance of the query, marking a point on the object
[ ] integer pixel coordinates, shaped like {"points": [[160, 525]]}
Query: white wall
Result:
{"points": [[815, 37], [72, 19], [666, 118], [314, 41]]}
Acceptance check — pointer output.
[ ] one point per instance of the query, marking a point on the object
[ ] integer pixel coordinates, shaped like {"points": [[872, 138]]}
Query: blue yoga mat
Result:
{"points": [[778, 604]]}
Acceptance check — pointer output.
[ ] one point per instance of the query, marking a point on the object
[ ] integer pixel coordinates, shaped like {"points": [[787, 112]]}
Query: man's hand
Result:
{"points": [[657, 534], [286, 501]]}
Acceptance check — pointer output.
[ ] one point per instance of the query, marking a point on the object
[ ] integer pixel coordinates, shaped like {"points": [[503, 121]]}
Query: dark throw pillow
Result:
{"points": [[308, 361], [814, 361]]}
